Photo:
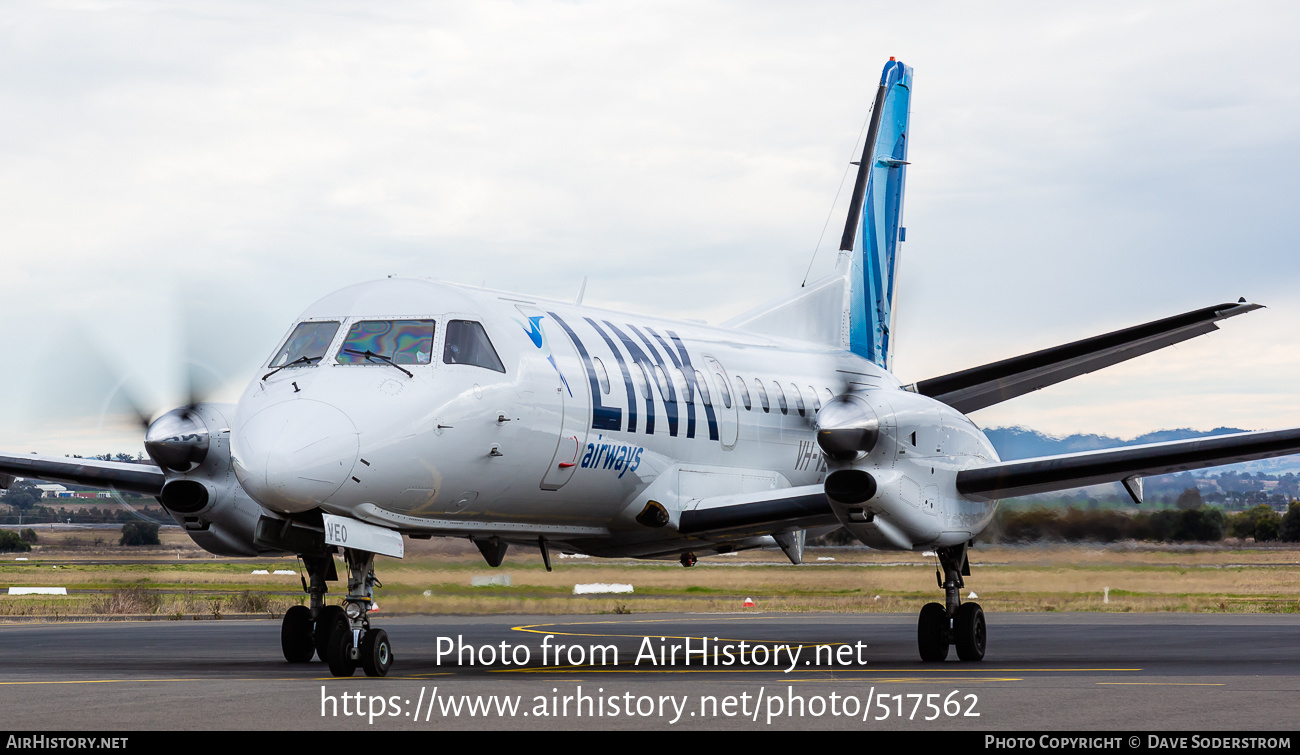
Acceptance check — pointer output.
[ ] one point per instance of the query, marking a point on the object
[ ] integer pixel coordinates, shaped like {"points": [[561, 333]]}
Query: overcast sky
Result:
{"points": [[224, 164]]}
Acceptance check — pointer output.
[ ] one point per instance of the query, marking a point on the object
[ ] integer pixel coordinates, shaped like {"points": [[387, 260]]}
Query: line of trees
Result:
{"points": [[1191, 521], [1204, 524], [133, 533], [92, 515]]}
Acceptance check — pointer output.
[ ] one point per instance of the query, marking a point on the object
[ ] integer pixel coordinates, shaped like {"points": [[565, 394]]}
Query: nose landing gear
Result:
{"points": [[296, 635], [956, 623], [376, 653], [339, 635], [300, 634]]}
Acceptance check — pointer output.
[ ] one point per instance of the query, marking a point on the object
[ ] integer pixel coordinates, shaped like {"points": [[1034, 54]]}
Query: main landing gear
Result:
{"points": [[339, 635], [957, 623]]}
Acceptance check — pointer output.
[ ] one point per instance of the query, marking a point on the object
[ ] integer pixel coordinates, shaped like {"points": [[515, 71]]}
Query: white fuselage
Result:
{"points": [[596, 413]]}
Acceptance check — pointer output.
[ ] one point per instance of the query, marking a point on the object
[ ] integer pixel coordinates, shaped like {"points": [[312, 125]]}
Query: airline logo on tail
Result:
{"points": [[878, 204]]}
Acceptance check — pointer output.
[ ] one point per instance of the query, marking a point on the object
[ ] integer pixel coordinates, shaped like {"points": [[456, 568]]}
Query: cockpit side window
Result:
{"points": [[468, 343], [306, 345], [394, 341]]}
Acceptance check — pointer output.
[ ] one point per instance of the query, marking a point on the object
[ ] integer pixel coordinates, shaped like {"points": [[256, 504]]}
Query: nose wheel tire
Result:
{"points": [[376, 653], [296, 635], [968, 632], [932, 633], [329, 616], [338, 651]]}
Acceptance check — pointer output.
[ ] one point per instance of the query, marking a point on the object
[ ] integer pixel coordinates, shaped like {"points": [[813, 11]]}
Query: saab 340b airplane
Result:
{"points": [[406, 407]]}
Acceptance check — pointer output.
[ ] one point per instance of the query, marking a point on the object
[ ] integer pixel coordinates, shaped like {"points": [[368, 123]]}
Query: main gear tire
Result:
{"points": [[969, 632], [932, 633]]}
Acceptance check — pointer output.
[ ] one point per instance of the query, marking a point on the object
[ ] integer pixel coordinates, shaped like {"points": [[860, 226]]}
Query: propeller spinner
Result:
{"points": [[847, 427], [178, 440]]}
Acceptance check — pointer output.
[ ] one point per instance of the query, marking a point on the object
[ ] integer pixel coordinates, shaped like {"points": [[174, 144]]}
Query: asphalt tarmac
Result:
{"points": [[1109, 672]]}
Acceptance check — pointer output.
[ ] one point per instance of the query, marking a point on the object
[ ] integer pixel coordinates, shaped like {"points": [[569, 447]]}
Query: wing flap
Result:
{"points": [[1052, 473], [758, 513], [993, 383], [130, 478]]}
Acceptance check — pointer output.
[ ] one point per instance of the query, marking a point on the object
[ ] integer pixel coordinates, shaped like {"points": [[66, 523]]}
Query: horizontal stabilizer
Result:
{"points": [[110, 475], [994, 383], [1051, 473]]}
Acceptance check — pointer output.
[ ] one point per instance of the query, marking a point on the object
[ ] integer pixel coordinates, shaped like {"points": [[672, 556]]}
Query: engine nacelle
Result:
{"points": [[192, 445], [893, 458]]}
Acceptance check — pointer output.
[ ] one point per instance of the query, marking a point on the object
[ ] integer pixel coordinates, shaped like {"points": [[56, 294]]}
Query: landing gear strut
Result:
{"points": [[351, 641], [339, 635], [956, 623]]}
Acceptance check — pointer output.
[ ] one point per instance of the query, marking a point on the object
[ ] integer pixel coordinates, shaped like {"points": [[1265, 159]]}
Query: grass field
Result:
{"points": [[177, 580]]}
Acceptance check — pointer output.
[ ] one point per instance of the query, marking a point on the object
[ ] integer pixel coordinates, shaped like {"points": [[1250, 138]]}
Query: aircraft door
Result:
{"points": [[570, 386], [724, 403]]}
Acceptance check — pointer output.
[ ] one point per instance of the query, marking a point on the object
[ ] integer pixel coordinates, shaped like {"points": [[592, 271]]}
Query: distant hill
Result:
{"points": [[1023, 443]]}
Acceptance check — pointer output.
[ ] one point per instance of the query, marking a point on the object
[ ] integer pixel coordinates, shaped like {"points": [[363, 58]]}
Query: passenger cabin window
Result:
{"points": [[393, 341], [704, 389], [722, 389], [798, 400], [644, 382], [306, 345], [662, 381], [467, 343], [680, 377], [817, 402], [762, 395], [602, 376], [744, 393], [780, 397]]}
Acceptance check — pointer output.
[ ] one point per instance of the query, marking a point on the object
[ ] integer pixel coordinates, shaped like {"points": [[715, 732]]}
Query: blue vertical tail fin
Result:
{"points": [[854, 308], [873, 227]]}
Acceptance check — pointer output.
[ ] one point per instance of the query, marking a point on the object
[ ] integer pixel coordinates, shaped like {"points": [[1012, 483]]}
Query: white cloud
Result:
{"points": [[1074, 170]]}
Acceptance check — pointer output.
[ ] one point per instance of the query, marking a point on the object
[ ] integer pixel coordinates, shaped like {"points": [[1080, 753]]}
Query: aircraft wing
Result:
{"points": [[131, 478], [1049, 473], [990, 384], [758, 513]]}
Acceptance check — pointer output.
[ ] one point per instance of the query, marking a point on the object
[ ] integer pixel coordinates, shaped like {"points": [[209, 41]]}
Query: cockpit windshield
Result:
{"points": [[306, 345], [393, 341], [468, 343]]}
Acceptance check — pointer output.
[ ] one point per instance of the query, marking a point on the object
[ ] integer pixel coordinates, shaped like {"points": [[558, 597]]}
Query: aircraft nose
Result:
{"points": [[292, 456]]}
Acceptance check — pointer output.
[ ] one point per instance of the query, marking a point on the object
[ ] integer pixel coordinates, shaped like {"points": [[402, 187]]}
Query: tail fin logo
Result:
{"points": [[875, 215]]}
